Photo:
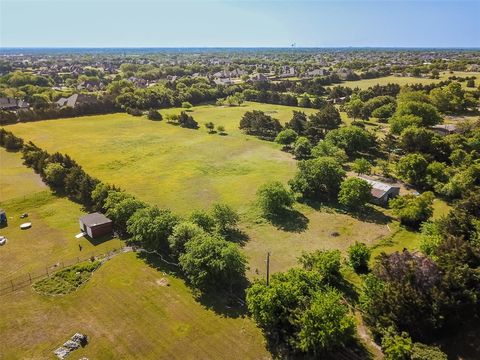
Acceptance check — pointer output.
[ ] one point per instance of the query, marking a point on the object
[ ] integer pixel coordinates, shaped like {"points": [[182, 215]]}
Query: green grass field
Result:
{"points": [[127, 312], [125, 308], [166, 165], [406, 80]]}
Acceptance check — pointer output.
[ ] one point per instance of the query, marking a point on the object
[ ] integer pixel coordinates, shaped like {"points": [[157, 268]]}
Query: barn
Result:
{"points": [[381, 192], [96, 225]]}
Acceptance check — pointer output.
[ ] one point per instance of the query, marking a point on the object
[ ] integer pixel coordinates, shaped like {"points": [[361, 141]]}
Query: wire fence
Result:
{"points": [[13, 284]]}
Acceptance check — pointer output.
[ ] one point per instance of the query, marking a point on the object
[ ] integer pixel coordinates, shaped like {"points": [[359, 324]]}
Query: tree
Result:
{"points": [[151, 227], [354, 193], [210, 126], [324, 262], [298, 123], [318, 179], [424, 352], [99, 195], [120, 212], [273, 198], [449, 99], [275, 307], [259, 124], [326, 324], [396, 347], [212, 263], [320, 123], [412, 210], [182, 233], [203, 220], [286, 137], [427, 113], [325, 148], [302, 148], [354, 107], [305, 101], [400, 122], [154, 115], [225, 218], [221, 129], [187, 121], [352, 139], [384, 111], [412, 168], [358, 257], [362, 166], [55, 175]]}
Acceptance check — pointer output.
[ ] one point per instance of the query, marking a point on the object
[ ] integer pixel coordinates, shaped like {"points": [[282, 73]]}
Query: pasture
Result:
{"points": [[126, 308], [408, 80], [128, 311], [166, 165]]}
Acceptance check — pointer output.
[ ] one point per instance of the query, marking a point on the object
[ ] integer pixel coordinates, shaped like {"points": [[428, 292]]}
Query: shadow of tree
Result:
{"points": [[371, 215], [289, 220], [221, 301], [236, 236]]}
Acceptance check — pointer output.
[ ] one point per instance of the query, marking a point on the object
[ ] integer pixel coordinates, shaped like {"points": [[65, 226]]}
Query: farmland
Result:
{"points": [[407, 80], [137, 294], [185, 169]]}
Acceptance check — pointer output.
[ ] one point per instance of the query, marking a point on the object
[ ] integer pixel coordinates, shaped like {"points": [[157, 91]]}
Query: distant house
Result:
{"points": [[345, 74], [381, 192], [76, 100], [444, 129], [96, 225], [12, 104], [315, 72], [223, 81], [258, 78]]}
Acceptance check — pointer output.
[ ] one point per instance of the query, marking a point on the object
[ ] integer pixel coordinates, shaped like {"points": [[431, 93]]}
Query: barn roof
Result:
{"points": [[94, 219], [378, 188]]}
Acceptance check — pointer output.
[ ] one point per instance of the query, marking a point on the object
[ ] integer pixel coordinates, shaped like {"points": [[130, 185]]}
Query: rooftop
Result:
{"points": [[95, 219]]}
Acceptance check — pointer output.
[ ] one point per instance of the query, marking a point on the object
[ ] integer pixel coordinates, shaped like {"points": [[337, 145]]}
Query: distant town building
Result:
{"points": [[444, 129], [76, 100]]}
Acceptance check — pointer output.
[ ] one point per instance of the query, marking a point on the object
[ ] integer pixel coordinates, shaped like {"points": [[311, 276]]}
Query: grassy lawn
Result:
{"points": [[54, 222], [405, 80], [16, 179], [127, 312], [166, 165]]}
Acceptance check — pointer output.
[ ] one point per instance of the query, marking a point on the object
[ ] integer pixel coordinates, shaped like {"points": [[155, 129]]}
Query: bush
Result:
{"points": [[413, 210], [359, 256], [325, 262], [273, 198], [155, 115], [396, 347], [134, 111], [186, 105], [424, 352], [225, 218]]}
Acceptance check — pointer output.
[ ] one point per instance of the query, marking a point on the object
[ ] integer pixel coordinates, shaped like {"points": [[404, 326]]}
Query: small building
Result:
{"points": [[96, 225], [76, 100], [3, 218], [444, 129], [381, 192]]}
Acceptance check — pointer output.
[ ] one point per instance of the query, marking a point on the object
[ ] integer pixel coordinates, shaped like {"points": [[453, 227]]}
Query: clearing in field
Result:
{"points": [[166, 165]]}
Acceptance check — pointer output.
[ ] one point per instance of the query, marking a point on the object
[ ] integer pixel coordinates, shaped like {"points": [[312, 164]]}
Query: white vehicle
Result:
{"points": [[3, 240]]}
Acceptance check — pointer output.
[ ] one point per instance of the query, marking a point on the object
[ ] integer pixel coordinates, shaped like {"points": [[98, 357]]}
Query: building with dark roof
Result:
{"points": [[381, 192], [96, 225]]}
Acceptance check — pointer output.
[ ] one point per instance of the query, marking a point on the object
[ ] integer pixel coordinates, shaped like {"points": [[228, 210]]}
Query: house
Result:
{"points": [[314, 73], [96, 225], [381, 192], [223, 81], [444, 129], [258, 78], [345, 74], [76, 100], [12, 104]]}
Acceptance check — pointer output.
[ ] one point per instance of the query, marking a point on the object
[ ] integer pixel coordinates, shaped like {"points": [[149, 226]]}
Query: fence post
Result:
{"points": [[30, 277], [11, 281], [46, 267]]}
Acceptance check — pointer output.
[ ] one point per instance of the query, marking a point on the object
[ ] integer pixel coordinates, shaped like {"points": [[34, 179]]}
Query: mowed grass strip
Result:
{"points": [[127, 311], [166, 165], [16, 180]]}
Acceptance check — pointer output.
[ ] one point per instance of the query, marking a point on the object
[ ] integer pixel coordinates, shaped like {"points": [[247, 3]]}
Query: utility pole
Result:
{"points": [[268, 268]]}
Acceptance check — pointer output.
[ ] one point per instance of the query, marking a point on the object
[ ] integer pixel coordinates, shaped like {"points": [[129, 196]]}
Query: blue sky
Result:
{"points": [[196, 23]]}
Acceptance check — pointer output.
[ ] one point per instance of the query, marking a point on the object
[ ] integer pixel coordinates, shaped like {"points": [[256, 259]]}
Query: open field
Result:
{"points": [[167, 165], [124, 308], [126, 313], [15, 178], [407, 80]]}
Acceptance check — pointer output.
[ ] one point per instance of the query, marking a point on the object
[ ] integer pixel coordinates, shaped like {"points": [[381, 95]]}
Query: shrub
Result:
{"points": [[273, 198], [359, 256], [155, 115], [354, 193]]}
